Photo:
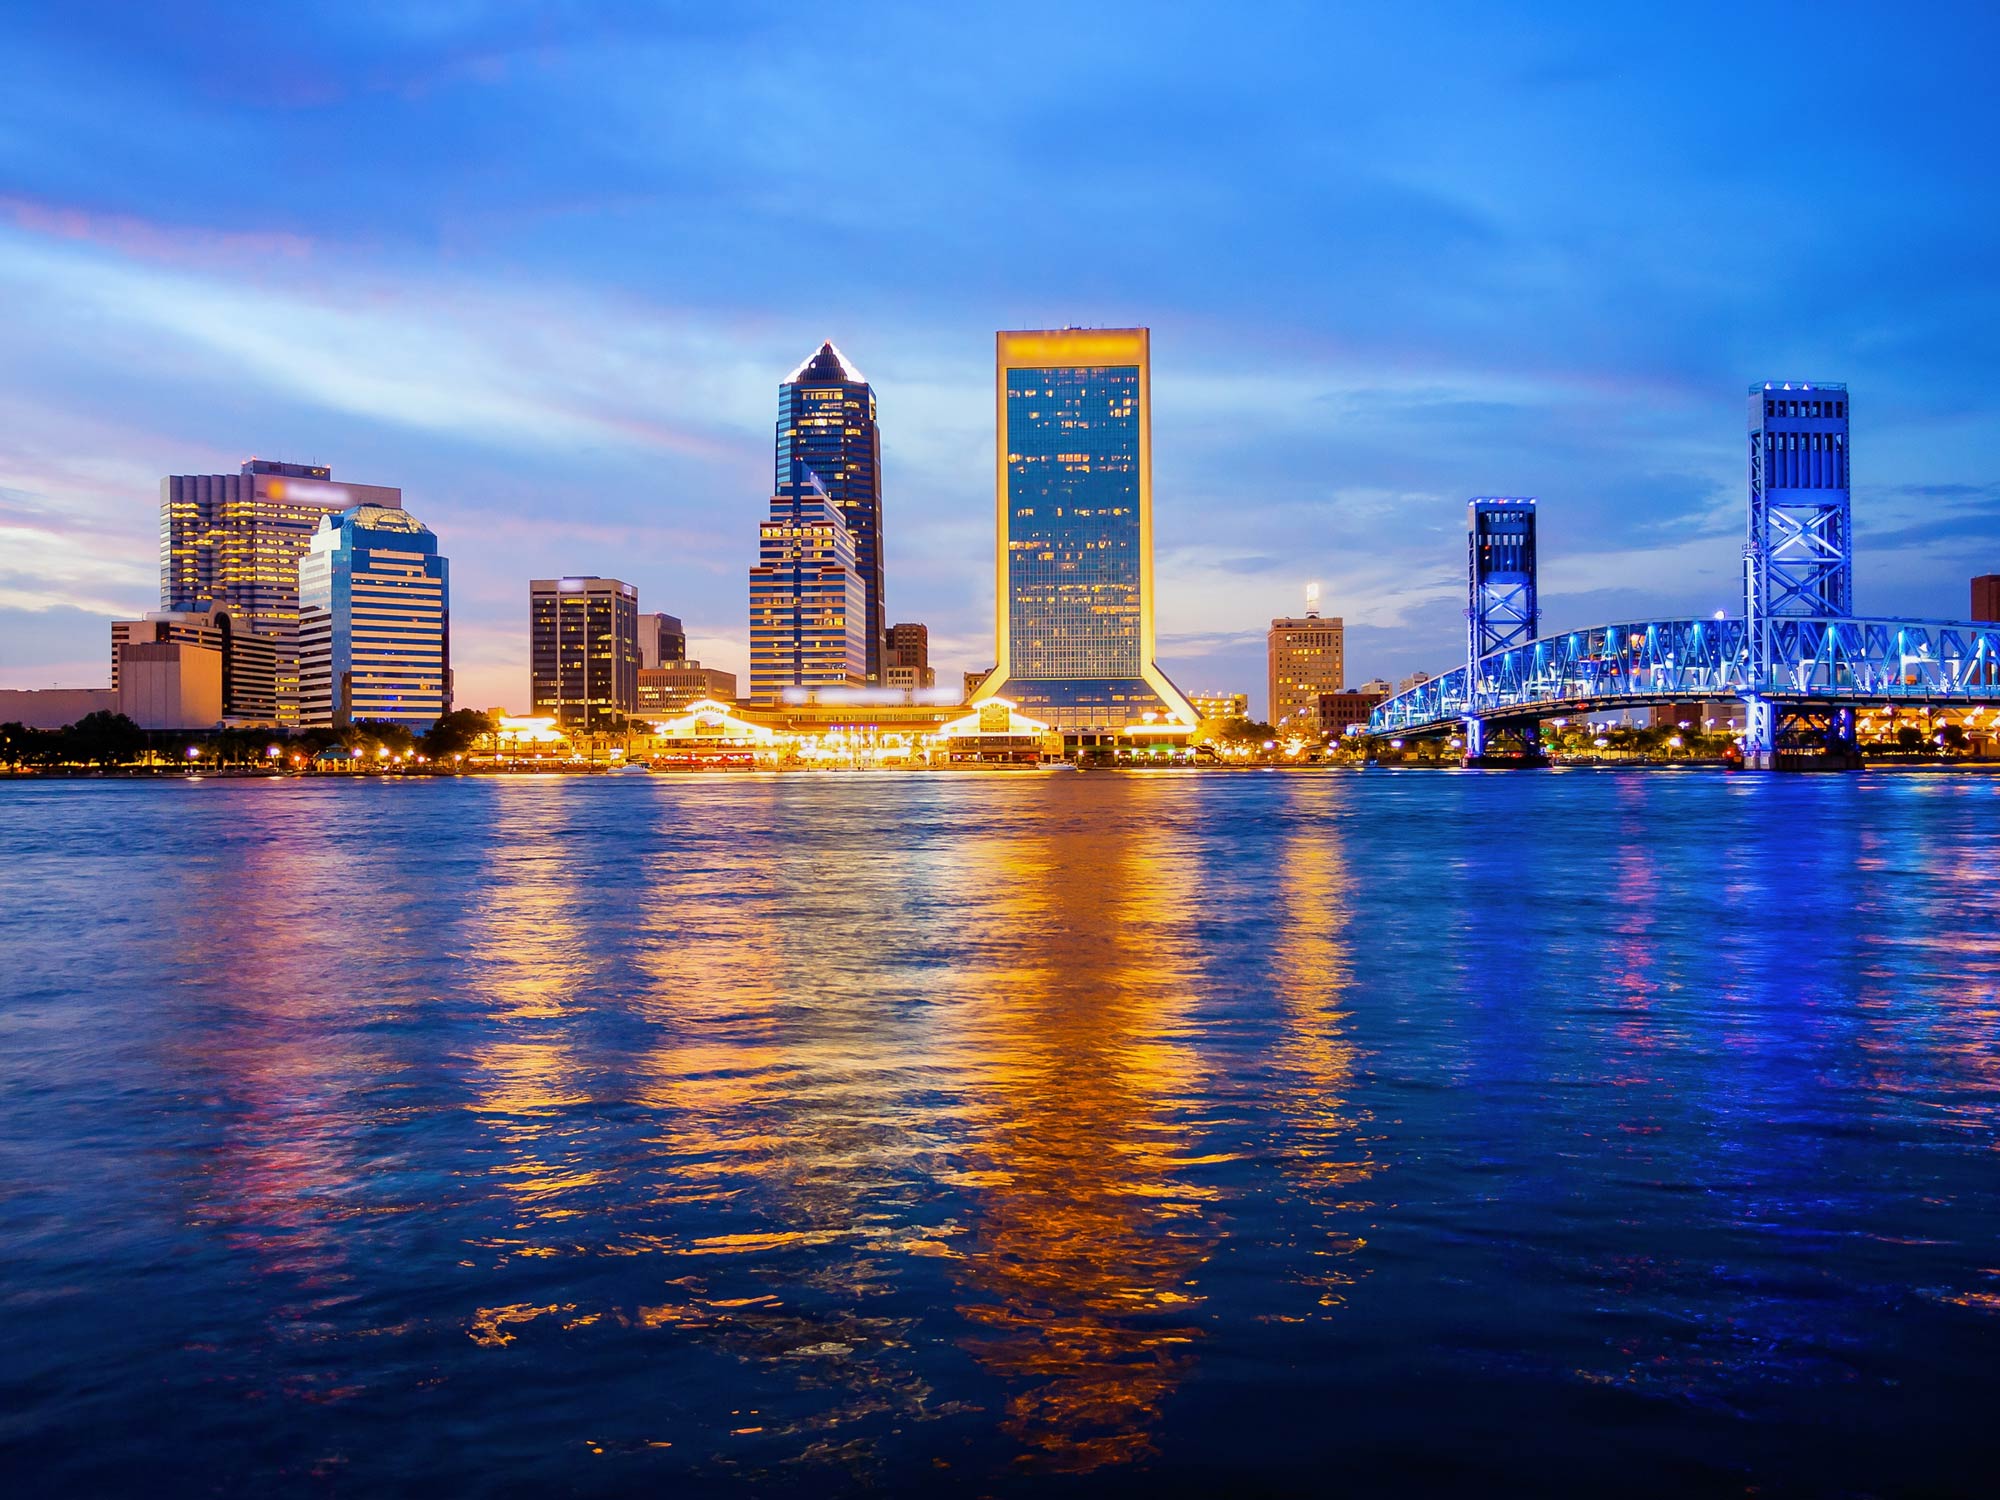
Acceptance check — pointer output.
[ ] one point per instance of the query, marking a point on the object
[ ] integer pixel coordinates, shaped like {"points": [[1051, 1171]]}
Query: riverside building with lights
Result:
{"points": [[233, 542], [583, 650], [1074, 552], [1305, 657], [374, 622], [830, 447]]}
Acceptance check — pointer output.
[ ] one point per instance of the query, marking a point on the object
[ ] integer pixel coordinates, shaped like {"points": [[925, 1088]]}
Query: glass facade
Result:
{"points": [[374, 622], [829, 447], [807, 600], [1075, 497]]}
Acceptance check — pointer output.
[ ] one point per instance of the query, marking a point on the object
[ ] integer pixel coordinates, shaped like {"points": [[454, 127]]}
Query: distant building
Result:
{"points": [[1349, 708], [1220, 707], [234, 541], [972, 681], [1986, 597], [583, 648], [827, 437], [1687, 716], [906, 659], [53, 708], [1305, 657], [1415, 679], [668, 690], [807, 603], [1074, 551], [249, 660], [1376, 685], [661, 641], [374, 622]]}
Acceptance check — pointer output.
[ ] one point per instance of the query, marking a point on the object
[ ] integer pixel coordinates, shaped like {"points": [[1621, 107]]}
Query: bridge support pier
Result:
{"points": [[1799, 737], [1480, 756]]}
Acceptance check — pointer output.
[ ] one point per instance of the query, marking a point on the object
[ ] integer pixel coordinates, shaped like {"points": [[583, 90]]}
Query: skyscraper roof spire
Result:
{"points": [[826, 363]]}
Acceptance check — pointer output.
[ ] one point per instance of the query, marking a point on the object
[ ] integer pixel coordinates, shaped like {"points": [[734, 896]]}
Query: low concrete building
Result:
{"points": [[671, 688], [170, 684], [1338, 712], [53, 708], [249, 659]]}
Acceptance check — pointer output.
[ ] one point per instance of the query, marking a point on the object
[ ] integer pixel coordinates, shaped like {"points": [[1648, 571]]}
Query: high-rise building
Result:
{"points": [[1986, 597], [374, 621], [827, 432], [248, 660], [661, 641], [1304, 657], [583, 649], [1074, 553], [807, 602], [234, 541], [906, 659]]}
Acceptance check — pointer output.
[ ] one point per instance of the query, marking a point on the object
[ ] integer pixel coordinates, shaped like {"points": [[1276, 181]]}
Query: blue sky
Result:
{"points": [[544, 265]]}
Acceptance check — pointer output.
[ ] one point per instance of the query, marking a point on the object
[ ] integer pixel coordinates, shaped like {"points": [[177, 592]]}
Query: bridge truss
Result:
{"points": [[1818, 666], [1800, 661]]}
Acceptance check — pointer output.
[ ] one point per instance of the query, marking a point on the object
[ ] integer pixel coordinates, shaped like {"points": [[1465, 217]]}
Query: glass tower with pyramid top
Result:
{"points": [[830, 449]]}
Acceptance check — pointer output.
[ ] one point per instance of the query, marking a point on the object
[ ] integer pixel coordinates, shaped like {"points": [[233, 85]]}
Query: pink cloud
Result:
{"points": [[171, 244]]}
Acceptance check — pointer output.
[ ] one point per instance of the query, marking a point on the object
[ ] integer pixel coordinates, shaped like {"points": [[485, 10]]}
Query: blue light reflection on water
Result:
{"points": [[1553, 1130]]}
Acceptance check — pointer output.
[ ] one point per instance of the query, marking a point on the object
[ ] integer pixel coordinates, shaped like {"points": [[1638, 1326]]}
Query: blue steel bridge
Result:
{"points": [[1798, 660]]}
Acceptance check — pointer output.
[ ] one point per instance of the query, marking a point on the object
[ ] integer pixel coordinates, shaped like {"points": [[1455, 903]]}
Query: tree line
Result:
{"points": [[106, 740]]}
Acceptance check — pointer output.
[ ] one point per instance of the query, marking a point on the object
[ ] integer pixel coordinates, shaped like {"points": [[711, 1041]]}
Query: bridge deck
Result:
{"points": [[1813, 661]]}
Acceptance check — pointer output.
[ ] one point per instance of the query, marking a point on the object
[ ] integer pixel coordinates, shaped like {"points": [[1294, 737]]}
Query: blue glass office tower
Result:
{"points": [[1074, 561], [826, 431], [374, 621]]}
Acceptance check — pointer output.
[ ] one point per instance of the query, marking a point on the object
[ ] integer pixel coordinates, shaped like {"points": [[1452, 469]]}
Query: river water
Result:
{"points": [[1319, 1132]]}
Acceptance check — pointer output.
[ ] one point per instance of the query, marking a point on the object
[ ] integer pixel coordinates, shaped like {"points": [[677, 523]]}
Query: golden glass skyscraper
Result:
{"points": [[1074, 554]]}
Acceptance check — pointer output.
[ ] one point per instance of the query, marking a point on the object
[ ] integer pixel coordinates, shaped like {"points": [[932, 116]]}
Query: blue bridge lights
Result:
{"points": [[1798, 659]]}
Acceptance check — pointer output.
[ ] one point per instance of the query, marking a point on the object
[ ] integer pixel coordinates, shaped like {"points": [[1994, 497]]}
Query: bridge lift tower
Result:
{"points": [[1502, 611], [1798, 559]]}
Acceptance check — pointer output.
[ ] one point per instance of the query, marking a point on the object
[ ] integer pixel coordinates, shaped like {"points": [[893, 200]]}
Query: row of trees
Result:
{"points": [[110, 740], [98, 739]]}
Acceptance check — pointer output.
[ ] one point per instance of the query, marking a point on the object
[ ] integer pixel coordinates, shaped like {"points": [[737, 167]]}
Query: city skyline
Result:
{"points": [[560, 385]]}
